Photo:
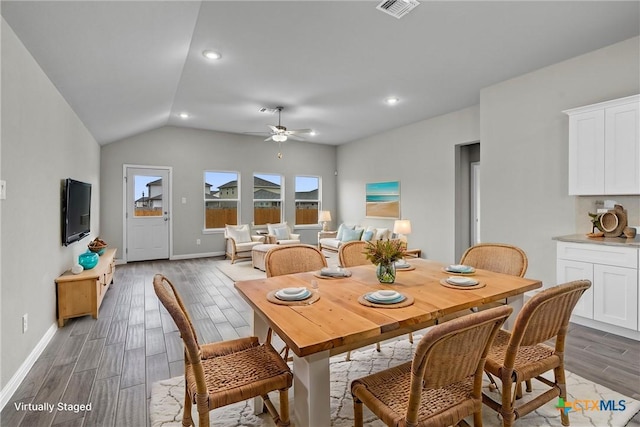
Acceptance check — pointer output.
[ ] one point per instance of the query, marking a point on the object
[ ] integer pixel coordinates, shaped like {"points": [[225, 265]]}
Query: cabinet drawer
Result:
{"points": [[599, 254]]}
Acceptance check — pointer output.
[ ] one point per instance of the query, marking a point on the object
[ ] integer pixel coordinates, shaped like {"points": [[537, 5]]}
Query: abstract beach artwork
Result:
{"points": [[383, 199]]}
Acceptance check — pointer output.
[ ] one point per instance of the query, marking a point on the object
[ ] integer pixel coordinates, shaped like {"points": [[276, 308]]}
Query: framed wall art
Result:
{"points": [[383, 199]]}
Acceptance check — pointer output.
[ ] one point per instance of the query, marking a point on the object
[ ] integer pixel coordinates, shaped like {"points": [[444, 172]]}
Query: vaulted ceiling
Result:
{"points": [[130, 66]]}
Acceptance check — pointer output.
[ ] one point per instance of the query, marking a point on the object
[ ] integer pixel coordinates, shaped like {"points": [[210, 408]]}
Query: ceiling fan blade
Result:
{"points": [[298, 131], [297, 138], [269, 139], [273, 128], [257, 133]]}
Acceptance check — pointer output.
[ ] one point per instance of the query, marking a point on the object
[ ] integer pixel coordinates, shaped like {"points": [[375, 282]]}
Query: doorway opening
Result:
{"points": [[467, 197]]}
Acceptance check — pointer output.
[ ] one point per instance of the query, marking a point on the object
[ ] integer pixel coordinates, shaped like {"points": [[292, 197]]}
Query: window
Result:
{"points": [[267, 199], [221, 199], [307, 200]]}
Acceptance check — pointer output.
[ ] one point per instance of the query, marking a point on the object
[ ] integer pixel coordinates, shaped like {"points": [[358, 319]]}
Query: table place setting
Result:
{"points": [[386, 299], [293, 296], [461, 283], [402, 265], [334, 272], [460, 269]]}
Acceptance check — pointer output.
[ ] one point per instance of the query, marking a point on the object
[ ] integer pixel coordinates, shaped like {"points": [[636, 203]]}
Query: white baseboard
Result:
{"points": [[201, 255], [15, 381], [601, 326]]}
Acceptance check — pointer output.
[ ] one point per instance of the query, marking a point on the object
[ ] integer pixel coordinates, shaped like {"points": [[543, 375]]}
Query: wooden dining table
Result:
{"points": [[338, 322]]}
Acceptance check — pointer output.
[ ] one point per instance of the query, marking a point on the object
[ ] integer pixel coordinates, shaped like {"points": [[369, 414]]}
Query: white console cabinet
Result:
{"points": [[604, 148], [612, 302]]}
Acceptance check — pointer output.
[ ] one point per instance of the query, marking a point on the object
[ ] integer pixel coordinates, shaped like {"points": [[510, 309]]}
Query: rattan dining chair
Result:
{"points": [[521, 355], [443, 383], [352, 254], [222, 373], [496, 257], [290, 259]]}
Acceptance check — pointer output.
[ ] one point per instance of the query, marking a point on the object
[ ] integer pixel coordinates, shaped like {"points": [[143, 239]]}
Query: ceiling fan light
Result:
{"points": [[211, 54], [279, 138]]}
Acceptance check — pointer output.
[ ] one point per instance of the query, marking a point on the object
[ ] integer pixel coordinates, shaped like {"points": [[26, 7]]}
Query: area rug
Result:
{"points": [[240, 270], [167, 398], [243, 269]]}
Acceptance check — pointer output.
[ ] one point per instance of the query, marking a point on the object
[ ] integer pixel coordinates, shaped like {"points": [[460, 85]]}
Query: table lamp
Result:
{"points": [[401, 227], [324, 217]]}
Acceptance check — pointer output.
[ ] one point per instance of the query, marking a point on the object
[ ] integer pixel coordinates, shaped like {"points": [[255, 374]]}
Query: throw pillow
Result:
{"points": [[383, 234], [341, 230], [367, 235], [239, 233], [282, 233], [349, 235], [281, 226]]}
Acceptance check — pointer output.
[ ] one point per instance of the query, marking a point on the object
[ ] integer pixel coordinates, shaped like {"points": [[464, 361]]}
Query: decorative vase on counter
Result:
{"points": [[88, 260], [386, 272]]}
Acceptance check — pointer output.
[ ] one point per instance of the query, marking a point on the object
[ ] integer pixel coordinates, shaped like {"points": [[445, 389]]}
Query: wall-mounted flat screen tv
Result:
{"points": [[76, 211]]}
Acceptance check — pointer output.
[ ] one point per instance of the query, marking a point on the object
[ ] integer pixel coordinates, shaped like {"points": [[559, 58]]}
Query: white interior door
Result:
{"points": [[475, 203], [147, 214]]}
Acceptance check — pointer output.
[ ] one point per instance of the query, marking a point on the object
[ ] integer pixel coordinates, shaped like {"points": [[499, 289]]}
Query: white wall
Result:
{"points": [[190, 152], [523, 140], [43, 142], [524, 149], [422, 157]]}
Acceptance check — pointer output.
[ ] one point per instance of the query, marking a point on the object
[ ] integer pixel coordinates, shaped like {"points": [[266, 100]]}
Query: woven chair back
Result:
{"points": [[351, 254], [496, 257], [290, 259], [170, 299], [547, 314], [452, 351]]}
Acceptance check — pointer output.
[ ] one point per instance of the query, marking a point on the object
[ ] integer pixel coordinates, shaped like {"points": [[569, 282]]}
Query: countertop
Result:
{"points": [[607, 241]]}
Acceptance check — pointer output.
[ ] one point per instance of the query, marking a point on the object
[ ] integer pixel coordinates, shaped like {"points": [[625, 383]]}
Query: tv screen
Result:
{"points": [[76, 211]]}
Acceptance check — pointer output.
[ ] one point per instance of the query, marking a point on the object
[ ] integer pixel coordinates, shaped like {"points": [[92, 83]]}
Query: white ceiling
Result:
{"points": [[126, 67]]}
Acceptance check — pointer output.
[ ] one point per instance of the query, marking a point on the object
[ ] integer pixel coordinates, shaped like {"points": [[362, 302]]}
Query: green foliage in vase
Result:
{"points": [[384, 251]]}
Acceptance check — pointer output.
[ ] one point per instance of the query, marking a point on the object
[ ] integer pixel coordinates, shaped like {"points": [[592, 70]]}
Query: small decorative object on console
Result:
{"points": [[610, 223], [88, 260], [97, 245]]}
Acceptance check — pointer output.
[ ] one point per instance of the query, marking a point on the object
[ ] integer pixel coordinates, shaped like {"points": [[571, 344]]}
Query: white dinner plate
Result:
{"points": [[461, 281], [304, 294]]}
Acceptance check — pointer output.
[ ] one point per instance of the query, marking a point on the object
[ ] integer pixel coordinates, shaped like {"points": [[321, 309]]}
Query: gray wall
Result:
{"points": [[190, 152], [43, 142], [524, 149], [422, 157], [523, 141]]}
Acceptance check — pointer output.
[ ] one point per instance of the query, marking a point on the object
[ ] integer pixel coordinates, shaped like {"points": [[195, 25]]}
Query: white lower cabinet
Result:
{"points": [[613, 298], [615, 295]]}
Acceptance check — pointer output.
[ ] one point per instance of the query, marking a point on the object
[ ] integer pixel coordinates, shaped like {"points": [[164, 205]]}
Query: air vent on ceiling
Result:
{"points": [[268, 110], [397, 8]]}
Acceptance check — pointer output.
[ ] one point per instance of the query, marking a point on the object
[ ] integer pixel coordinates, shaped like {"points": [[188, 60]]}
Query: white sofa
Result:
{"points": [[331, 240]]}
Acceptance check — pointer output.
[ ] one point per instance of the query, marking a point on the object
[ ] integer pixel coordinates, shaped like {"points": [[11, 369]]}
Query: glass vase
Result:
{"points": [[386, 272]]}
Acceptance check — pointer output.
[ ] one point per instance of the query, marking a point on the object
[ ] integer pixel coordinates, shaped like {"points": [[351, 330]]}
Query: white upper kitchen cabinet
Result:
{"points": [[604, 148]]}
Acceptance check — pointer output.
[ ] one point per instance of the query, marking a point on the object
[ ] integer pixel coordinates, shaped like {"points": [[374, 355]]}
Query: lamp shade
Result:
{"points": [[324, 216], [402, 226]]}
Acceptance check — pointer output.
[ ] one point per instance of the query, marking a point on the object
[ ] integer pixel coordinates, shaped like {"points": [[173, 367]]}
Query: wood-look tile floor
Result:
{"points": [[112, 362]]}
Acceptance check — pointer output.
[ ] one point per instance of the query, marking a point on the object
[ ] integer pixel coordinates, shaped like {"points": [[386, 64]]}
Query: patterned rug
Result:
{"points": [[167, 398]]}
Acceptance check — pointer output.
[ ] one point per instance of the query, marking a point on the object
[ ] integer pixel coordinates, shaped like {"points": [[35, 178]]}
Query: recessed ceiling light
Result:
{"points": [[392, 100], [184, 115], [210, 54], [313, 133]]}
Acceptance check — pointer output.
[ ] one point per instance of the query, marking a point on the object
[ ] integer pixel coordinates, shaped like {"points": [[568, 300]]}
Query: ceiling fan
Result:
{"points": [[279, 133]]}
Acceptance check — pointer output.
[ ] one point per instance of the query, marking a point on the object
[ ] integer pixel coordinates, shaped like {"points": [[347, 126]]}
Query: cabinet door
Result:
{"points": [[568, 271], [622, 149], [586, 153], [615, 295]]}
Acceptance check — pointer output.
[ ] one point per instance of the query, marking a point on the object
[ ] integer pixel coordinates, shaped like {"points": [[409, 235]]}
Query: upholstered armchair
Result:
{"points": [[280, 234], [240, 241]]}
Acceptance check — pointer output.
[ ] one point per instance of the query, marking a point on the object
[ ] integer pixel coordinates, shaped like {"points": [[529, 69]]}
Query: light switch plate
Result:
{"points": [[3, 189]]}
